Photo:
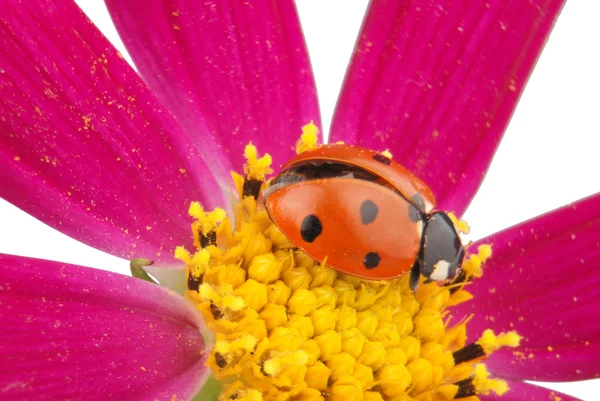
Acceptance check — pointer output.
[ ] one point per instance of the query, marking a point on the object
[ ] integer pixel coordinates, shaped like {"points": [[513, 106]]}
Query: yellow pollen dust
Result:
{"points": [[309, 139], [461, 225], [256, 168], [205, 222], [290, 328]]}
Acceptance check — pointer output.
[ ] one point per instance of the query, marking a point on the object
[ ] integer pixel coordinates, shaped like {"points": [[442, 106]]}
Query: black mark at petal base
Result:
{"points": [[193, 283], [209, 239], [251, 188], [220, 360]]}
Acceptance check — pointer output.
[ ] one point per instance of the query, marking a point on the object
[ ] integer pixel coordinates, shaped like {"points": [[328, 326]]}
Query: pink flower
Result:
{"points": [[91, 149]]}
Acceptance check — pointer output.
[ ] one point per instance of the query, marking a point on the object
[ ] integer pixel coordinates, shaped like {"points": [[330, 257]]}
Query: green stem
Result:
{"points": [[137, 269], [210, 391]]}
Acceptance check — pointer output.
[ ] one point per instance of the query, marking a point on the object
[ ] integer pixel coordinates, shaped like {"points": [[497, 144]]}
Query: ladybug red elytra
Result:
{"points": [[369, 216]]}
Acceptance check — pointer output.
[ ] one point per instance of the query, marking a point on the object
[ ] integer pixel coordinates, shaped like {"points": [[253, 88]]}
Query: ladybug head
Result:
{"points": [[442, 252]]}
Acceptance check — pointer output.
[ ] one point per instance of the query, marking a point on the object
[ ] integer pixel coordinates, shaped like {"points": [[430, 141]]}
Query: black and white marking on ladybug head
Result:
{"points": [[416, 208], [442, 252], [371, 260], [311, 228], [442, 270], [368, 211]]}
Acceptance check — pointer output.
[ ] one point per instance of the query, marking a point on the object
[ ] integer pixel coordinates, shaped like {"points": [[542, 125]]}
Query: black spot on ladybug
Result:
{"points": [[382, 159], [414, 215], [372, 260], [368, 211], [419, 203], [311, 228]]}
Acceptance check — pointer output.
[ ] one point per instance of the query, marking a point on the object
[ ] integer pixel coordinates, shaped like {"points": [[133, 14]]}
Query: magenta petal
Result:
{"points": [[542, 281], [521, 391], [85, 146], [234, 72], [74, 333], [436, 83]]}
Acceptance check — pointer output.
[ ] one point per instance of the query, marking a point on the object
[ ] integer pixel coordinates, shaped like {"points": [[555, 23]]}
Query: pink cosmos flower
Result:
{"points": [[114, 159]]}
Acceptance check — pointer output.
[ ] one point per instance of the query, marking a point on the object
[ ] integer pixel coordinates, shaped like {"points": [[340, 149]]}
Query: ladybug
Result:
{"points": [[365, 214]]}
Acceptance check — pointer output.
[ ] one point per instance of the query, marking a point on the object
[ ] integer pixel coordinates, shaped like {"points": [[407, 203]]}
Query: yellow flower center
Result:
{"points": [[288, 327]]}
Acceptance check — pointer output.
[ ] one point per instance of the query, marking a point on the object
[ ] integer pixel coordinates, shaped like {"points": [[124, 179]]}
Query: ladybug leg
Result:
{"points": [[415, 275]]}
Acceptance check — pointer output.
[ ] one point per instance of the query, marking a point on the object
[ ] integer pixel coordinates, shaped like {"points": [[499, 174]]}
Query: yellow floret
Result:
{"points": [[275, 365]]}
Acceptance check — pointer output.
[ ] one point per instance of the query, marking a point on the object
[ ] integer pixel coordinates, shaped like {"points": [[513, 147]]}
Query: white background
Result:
{"points": [[549, 156]]}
